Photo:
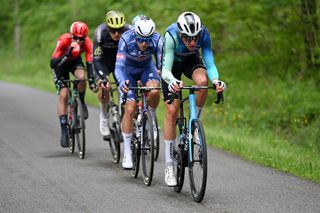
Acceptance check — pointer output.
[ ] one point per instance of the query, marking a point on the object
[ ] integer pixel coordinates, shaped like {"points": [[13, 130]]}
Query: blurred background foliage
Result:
{"points": [[267, 52]]}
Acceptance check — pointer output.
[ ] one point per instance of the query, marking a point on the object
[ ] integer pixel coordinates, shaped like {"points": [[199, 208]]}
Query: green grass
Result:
{"points": [[279, 131]]}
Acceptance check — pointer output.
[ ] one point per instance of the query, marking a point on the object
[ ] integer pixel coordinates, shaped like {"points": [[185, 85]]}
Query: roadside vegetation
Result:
{"points": [[267, 52]]}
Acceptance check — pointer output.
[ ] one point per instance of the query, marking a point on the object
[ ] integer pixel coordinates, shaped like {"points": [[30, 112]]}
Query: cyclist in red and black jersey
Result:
{"points": [[67, 58], [105, 46]]}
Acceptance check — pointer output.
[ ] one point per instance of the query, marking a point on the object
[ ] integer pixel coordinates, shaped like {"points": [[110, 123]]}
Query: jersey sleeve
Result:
{"points": [[208, 57], [158, 55], [88, 49], [97, 59], [120, 61], [168, 57]]}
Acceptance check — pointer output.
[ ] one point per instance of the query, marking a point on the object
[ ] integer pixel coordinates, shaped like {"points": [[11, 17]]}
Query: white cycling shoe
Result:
{"points": [[104, 126], [127, 162], [170, 177]]}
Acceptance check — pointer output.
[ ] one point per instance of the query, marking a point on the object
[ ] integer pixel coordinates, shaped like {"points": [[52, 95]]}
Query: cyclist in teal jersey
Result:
{"points": [[183, 39]]}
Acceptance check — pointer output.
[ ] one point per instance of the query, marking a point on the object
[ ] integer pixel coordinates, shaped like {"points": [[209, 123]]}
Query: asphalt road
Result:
{"points": [[36, 175]]}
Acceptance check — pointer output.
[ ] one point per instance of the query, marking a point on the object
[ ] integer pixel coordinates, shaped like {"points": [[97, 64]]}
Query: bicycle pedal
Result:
{"points": [[106, 138]]}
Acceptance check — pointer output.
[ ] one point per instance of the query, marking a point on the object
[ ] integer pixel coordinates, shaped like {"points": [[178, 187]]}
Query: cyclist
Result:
{"points": [[134, 62], [105, 46], [67, 58], [183, 40]]}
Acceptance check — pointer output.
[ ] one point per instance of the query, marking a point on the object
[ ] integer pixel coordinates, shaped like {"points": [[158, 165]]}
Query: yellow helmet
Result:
{"points": [[115, 19]]}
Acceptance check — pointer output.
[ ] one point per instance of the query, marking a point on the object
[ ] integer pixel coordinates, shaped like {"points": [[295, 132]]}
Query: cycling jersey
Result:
{"points": [[104, 51], [62, 61], [133, 64], [62, 48], [175, 50]]}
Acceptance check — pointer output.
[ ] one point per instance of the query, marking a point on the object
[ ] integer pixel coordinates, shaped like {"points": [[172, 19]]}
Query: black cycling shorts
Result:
{"points": [[62, 72], [187, 66]]}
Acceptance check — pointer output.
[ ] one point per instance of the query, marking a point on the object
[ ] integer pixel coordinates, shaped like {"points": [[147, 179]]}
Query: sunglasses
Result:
{"points": [[191, 38], [78, 38], [114, 31], [141, 40]]}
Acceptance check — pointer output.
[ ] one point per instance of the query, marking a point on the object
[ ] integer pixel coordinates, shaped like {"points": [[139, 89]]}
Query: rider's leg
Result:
{"points": [[80, 75], [153, 97], [104, 97], [199, 76], [62, 112], [127, 128]]}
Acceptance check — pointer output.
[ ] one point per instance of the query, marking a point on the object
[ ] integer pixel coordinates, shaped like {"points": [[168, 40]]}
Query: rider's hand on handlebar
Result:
{"points": [[219, 85], [93, 85], [124, 86], [175, 85]]}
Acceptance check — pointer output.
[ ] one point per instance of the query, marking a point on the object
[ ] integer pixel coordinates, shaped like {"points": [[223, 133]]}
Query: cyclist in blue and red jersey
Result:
{"points": [[105, 47], [183, 40], [67, 58], [134, 62]]}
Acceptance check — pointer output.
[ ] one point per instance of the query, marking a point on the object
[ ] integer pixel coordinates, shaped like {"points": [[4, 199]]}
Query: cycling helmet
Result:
{"points": [[135, 19], [115, 19], [144, 26], [79, 29], [189, 24]]}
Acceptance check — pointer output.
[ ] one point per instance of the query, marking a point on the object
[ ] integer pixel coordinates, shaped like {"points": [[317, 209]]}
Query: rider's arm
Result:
{"points": [[121, 61], [168, 57], [208, 57], [158, 54], [99, 68], [88, 49], [59, 57]]}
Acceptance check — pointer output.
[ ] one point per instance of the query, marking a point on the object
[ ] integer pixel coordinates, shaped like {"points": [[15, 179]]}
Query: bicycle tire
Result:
{"points": [[114, 141], [147, 148], [70, 129], [179, 158], [157, 138], [135, 147], [79, 129], [198, 165]]}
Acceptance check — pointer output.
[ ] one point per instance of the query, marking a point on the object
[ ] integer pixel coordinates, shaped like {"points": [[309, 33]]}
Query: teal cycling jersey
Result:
{"points": [[175, 50]]}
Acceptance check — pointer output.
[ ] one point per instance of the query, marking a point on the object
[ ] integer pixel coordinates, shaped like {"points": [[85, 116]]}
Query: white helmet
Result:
{"points": [[144, 26], [189, 23]]}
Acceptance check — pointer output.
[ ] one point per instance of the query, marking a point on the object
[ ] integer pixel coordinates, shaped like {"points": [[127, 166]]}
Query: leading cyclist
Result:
{"points": [[105, 46], [67, 58], [183, 40], [134, 62]]}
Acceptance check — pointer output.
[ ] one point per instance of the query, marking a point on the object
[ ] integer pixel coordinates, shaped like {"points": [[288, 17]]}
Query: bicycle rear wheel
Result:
{"points": [[79, 128], [198, 163], [156, 137], [147, 148]]}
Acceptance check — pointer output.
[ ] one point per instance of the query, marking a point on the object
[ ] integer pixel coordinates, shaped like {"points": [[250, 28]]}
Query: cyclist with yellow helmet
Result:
{"points": [[105, 46]]}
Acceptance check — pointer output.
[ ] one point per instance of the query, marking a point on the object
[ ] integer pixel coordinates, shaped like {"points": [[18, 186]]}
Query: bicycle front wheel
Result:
{"points": [[147, 148], [79, 129], [70, 128], [198, 161], [135, 147], [114, 140], [156, 137]]}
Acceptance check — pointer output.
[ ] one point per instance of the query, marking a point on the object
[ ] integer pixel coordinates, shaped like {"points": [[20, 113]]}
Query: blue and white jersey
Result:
{"points": [[175, 50], [131, 60]]}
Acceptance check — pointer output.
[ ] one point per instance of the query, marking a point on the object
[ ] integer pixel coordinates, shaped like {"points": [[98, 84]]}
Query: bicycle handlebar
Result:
{"points": [[219, 99]]}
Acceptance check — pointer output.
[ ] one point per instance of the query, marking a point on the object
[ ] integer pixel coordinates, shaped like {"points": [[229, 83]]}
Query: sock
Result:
{"points": [[127, 143], [199, 111], [82, 95], [103, 110], [169, 152], [152, 111], [63, 122]]}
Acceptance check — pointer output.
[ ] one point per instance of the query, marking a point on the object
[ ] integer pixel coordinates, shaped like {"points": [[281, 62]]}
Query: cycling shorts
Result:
{"points": [[62, 72], [187, 66], [144, 74]]}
